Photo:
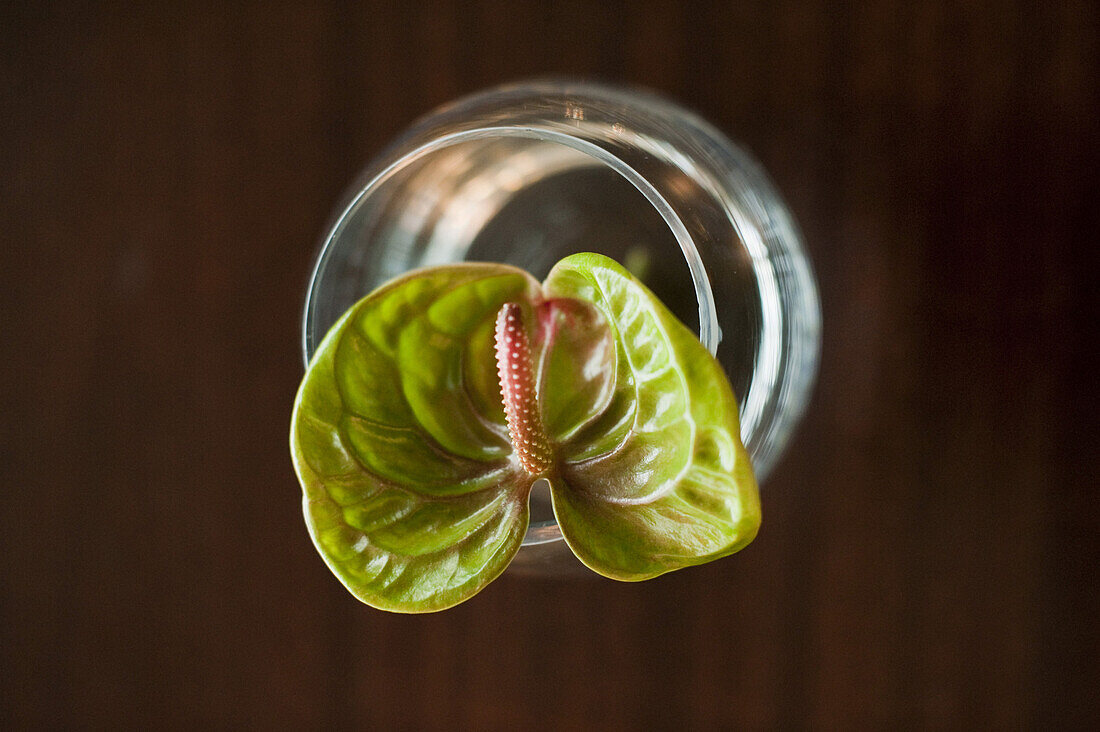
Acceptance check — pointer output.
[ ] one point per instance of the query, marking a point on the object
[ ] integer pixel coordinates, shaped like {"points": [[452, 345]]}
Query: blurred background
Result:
{"points": [[929, 551]]}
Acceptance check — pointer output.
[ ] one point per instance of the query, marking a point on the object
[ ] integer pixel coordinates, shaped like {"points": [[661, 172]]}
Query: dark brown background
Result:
{"points": [[929, 553]]}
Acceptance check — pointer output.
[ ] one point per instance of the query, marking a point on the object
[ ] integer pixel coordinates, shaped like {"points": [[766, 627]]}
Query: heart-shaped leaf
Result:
{"points": [[416, 480]]}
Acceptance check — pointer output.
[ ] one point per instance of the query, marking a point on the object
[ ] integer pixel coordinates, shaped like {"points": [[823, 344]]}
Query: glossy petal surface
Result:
{"points": [[659, 479], [414, 492], [411, 493]]}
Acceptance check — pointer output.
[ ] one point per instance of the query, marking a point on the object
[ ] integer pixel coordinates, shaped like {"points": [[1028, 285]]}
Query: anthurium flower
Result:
{"points": [[437, 401]]}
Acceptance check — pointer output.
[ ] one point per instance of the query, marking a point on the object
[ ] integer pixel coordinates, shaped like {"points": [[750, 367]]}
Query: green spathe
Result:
{"points": [[412, 491]]}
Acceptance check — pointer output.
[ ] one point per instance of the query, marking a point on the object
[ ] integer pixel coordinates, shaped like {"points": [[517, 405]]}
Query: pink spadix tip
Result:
{"points": [[517, 386]]}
